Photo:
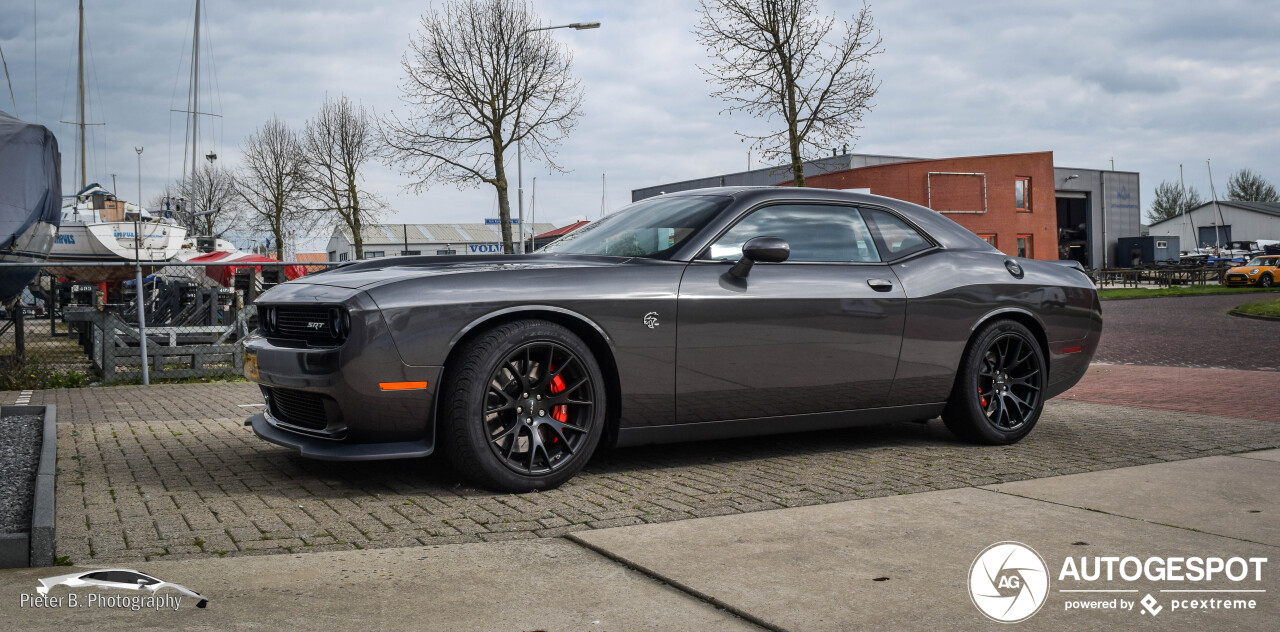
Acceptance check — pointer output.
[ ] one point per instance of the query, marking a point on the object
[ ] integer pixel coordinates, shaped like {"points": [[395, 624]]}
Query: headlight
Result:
{"points": [[341, 323]]}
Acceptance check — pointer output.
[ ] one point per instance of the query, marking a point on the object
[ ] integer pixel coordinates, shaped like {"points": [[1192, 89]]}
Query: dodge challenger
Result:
{"points": [[696, 315]]}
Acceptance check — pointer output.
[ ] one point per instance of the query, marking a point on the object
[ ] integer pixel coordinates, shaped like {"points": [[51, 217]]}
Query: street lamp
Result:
{"points": [[139, 150], [577, 26], [137, 263]]}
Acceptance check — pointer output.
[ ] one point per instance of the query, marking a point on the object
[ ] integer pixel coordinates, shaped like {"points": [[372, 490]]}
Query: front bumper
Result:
{"points": [[1236, 278], [328, 450], [330, 403]]}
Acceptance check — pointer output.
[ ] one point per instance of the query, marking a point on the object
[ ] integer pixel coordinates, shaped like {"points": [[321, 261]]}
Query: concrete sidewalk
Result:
{"points": [[897, 562]]}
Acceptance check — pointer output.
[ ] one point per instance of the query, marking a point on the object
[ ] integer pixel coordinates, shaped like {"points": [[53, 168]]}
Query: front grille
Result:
{"points": [[298, 408], [1236, 277], [317, 325]]}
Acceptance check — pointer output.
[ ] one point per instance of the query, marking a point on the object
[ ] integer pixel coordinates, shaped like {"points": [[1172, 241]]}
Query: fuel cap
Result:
{"points": [[1013, 267]]}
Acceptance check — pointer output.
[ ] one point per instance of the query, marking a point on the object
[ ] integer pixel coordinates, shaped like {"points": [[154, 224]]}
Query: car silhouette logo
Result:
{"points": [[118, 578]]}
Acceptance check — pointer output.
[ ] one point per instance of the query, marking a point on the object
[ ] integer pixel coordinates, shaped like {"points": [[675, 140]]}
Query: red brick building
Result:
{"points": [[1007, 199]]}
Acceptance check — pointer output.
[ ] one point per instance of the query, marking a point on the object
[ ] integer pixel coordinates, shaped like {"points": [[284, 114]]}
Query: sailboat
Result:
{"points": [[30, 182], [98, 227]]}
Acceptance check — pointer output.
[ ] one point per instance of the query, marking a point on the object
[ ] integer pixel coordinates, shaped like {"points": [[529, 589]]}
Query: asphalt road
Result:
{"points": [[1188, 331]]}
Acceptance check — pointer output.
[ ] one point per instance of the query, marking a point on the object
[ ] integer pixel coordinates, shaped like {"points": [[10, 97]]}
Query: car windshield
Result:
{"points": [[1260, 261], [651, 228]]}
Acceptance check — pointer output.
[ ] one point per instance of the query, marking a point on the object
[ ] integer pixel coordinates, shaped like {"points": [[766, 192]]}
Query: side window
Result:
{"points": [[120, 577], [815, 232], [895, 237]]}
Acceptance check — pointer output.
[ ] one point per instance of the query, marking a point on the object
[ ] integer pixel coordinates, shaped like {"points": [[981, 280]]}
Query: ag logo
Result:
{"points": [[1008, 582], [651, 320]]}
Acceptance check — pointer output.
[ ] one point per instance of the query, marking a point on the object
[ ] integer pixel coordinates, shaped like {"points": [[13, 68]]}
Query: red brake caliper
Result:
{"points": [[561, 412], [982, 398]]}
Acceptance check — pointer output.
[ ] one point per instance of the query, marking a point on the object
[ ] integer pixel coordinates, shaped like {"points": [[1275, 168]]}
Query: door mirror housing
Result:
{"points": [[762, 249]]}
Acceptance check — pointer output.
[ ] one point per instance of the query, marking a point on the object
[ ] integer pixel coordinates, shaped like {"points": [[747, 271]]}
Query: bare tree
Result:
{"points": [[479, 80], [1246, 185], [1172, 200], [270, 183], [780, 58], [336, 144], [211, 206]]}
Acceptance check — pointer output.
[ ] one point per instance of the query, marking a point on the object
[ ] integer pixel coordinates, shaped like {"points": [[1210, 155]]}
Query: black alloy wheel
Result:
{"points": [[538, 408], [999, 391], [1009, 382], [523, 407], [1265, 280]]}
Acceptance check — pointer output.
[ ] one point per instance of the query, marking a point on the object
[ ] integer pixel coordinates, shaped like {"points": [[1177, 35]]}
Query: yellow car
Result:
{"points": [[1260, 271]]}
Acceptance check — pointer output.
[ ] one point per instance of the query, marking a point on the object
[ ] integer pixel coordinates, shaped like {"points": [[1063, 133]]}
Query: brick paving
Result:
{"points": [[164, 489], [1233, 393], [218, 400], [1188, 331]]}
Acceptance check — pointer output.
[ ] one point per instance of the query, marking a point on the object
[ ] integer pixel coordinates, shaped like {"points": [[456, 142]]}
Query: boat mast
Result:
{"points": [[83, 177], [195, 94]]}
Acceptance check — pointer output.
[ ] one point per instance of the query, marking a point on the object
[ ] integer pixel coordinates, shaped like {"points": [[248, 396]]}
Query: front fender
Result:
{"points": [[532, 308]]}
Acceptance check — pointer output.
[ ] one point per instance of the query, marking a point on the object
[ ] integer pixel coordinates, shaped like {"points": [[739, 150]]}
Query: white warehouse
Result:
{"points": [[1215, 223], [393, 240]]}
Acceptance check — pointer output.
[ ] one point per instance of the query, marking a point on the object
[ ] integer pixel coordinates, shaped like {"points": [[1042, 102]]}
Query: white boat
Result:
{"points": [[96, 227]]}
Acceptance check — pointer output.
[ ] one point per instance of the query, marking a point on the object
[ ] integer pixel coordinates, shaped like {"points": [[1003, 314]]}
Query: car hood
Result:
{"points": [[366, 274]]}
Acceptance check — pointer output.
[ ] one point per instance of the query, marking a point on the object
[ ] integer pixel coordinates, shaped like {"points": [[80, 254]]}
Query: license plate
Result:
{"points": [[250, 365]]}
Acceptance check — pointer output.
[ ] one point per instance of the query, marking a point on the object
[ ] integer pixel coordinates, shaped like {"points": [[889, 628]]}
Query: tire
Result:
{"points": [[504, 423], [1265, 280], [1002, 353]]}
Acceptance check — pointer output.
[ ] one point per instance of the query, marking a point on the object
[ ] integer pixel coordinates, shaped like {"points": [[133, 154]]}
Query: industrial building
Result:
{"points": [[1021, 203], [391, 240], [1218, 223]]}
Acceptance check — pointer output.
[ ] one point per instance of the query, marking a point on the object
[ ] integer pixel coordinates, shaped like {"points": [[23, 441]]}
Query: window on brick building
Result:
{"points": [[989, 238], [1024, 246], [1022, 194]]}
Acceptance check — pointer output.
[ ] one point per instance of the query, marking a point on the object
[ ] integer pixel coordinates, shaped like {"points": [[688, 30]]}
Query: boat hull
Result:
{"points": [[112, 242]]}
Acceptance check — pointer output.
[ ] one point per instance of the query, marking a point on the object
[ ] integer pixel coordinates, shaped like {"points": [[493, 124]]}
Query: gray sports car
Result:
{"points": [[697, 315]]}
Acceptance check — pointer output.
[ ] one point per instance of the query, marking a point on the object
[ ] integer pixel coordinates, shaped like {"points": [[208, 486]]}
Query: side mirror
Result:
{"points": [[763, 249]]}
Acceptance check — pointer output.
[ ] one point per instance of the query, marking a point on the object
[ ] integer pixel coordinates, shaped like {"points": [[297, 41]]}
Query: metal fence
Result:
{"points": [[194, 317], [1164, 275]]}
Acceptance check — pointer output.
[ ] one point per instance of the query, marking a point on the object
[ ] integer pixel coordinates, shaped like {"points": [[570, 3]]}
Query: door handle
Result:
{"points": [[880, 285]]}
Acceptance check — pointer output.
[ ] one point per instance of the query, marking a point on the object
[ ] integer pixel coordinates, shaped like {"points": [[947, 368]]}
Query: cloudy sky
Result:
{"points": [[1148, 84]]}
